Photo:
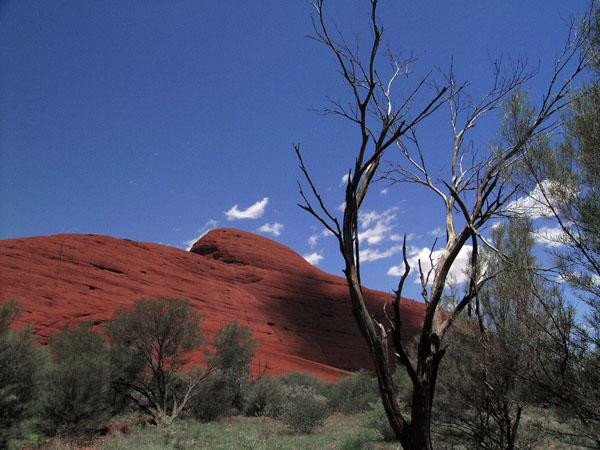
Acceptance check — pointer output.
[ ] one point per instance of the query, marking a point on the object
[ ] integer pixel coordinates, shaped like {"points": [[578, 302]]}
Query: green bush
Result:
{"points": [[359, 440], [215, 398], [304, 409], [235, 347], [377, 420], [20, 360], [224, 392], [304, 379], [150, 344], [353, 394], [265, 397], [77, 385]]}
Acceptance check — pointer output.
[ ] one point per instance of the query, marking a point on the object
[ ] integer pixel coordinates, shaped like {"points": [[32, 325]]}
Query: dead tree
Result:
{"points": [[472, 193]]}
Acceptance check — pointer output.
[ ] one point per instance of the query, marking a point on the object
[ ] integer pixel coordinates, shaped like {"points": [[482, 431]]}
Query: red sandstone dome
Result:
{"points": [[299, 314]]}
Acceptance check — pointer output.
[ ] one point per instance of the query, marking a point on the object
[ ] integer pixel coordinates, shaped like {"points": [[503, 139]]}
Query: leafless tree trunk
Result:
{"points": [[475, 193]]}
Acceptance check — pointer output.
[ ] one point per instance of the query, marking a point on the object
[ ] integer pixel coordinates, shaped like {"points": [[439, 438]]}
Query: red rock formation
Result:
{"points": [[299, 314]]}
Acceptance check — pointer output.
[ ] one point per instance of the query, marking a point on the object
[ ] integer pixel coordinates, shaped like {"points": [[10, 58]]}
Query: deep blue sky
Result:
{"points": [[149, 119]]}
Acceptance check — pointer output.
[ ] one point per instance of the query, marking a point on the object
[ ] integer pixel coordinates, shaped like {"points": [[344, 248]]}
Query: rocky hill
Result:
{"points": [[299, 314]]}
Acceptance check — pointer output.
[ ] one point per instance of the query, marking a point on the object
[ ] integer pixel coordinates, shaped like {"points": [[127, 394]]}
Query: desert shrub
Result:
{"points": [[215, 398], [20, 360], [353, 394], [149, 346], [224, 391], [77, 383], [304, 379], [265, 397], [235, 347], [304, 409], [377, 420], [360, 439]]}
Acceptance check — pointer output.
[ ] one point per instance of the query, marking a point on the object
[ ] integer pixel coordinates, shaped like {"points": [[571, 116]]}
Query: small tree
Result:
{"points": [[304, 409], [226, 389], [149, 346], [484, 388], [235, 347], [564, 178], [20, 360], [76, 390], [266, 397]]}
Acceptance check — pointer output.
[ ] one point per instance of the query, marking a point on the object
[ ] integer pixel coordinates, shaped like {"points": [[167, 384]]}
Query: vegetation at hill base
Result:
{"points": [[78, 392]]}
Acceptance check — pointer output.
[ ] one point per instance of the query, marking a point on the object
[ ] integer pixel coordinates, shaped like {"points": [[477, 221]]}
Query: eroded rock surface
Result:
{"points": [[299, 314]]}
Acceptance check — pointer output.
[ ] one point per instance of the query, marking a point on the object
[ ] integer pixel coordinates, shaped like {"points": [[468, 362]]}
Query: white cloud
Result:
{"points": [[533, 204], [396, 271], [313, 258], [254, 211], [314, 238], [345, 179], [209, 225], [384, 191], [457, 272], [399, 237], [272, 228], [374, 235], [341, 207], [436, 232], [376, 226], [550, 236], [373, 254]]}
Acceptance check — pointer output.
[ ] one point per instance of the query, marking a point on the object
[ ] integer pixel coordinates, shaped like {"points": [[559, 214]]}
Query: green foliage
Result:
{"points": [[20, 359], [9, 312], [483, 392], [223, 393], [215, 398], [304, 409], [567, 174], [265, 397], [235, 347], [377, 420], [360, 439], [76, 387], [149, 346], [251, 433], [353, 394], [304, 379]]}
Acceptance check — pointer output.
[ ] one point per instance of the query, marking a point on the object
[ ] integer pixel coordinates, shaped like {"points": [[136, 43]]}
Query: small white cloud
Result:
{"points": [[550, 236], [376, 226], [254, 211], [272, 228], [436, 232], [314, 238], [373, 254], [345, 179], [314, 258], [384, 191], [374, 235], [341, 207], [209, 225], [399, 237], [396, 271]]}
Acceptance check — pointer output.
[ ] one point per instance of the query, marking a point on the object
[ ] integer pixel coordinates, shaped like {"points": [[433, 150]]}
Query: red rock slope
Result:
{"points": [[299, 314]]}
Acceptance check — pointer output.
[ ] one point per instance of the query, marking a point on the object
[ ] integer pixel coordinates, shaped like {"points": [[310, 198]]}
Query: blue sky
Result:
{"points": [[154, 120]]}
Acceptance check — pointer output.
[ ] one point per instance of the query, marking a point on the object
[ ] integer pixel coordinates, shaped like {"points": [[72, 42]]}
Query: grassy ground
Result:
{"points": [[344, 432], [256, 433], [339, 432]]}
